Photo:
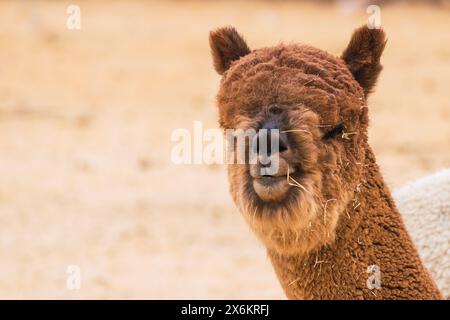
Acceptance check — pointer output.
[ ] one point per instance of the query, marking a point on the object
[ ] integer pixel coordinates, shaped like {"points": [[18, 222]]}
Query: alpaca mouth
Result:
{"points": [[269, 181], [272, 183], [271, 187]]}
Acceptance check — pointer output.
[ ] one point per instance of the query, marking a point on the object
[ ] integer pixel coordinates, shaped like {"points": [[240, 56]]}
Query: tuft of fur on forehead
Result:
{"points": [[289, 74]]}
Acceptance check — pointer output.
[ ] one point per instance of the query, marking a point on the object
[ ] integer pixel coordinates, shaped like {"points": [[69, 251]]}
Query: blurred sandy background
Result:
{"points": [[85, 124]]}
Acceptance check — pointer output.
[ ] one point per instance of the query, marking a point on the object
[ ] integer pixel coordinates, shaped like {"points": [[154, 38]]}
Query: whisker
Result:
{"points": [[296, 130], [346, 135], [325, 210], [296, 183]]}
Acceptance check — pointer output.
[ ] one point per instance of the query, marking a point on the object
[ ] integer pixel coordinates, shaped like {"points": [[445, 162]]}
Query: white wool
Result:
{"points": [[425, 207]]}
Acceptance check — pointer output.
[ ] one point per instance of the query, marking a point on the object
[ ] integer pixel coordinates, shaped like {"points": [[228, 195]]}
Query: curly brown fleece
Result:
{"points": [[373, 233], [323, 236]]}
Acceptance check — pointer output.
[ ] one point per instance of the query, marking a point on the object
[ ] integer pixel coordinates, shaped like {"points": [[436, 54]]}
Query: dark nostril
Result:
{"points": [[283, 142], [275, 110], [273, 132]]}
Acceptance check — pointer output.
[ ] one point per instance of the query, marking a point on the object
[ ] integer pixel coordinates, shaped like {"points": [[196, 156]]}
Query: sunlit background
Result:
{"points": [[85, 122]]}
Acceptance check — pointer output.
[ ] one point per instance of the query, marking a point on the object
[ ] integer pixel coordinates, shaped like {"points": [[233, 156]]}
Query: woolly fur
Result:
{"points": [[322, 237], [425, 206]]}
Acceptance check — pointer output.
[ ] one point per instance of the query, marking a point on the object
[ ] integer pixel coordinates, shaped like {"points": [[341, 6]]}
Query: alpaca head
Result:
{"points": [[318, 103]]}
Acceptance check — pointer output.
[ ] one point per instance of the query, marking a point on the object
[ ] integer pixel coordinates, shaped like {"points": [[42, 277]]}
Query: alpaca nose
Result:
{"points": [[272, 133]]}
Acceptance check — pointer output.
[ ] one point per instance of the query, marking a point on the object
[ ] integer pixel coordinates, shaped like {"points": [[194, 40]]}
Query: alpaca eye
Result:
{"points": [[334, 132]]}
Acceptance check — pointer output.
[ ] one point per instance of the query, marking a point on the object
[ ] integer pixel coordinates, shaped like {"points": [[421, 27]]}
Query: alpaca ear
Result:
{"points": [[227, 45], [362, 56]]}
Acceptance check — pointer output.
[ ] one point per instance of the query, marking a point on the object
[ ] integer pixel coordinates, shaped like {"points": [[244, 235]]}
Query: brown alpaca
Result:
{"points": [[326, 215]]}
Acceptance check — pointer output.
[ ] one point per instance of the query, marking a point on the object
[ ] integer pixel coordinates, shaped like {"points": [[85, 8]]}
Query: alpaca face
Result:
{"points": [[319, 107]]}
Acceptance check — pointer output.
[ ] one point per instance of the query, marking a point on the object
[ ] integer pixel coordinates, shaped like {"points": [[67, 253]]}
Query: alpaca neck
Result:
{"points": [[370, 237]]}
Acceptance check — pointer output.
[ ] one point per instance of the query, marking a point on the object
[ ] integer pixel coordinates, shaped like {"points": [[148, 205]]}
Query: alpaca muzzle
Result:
{"points": [[271, 171]]}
